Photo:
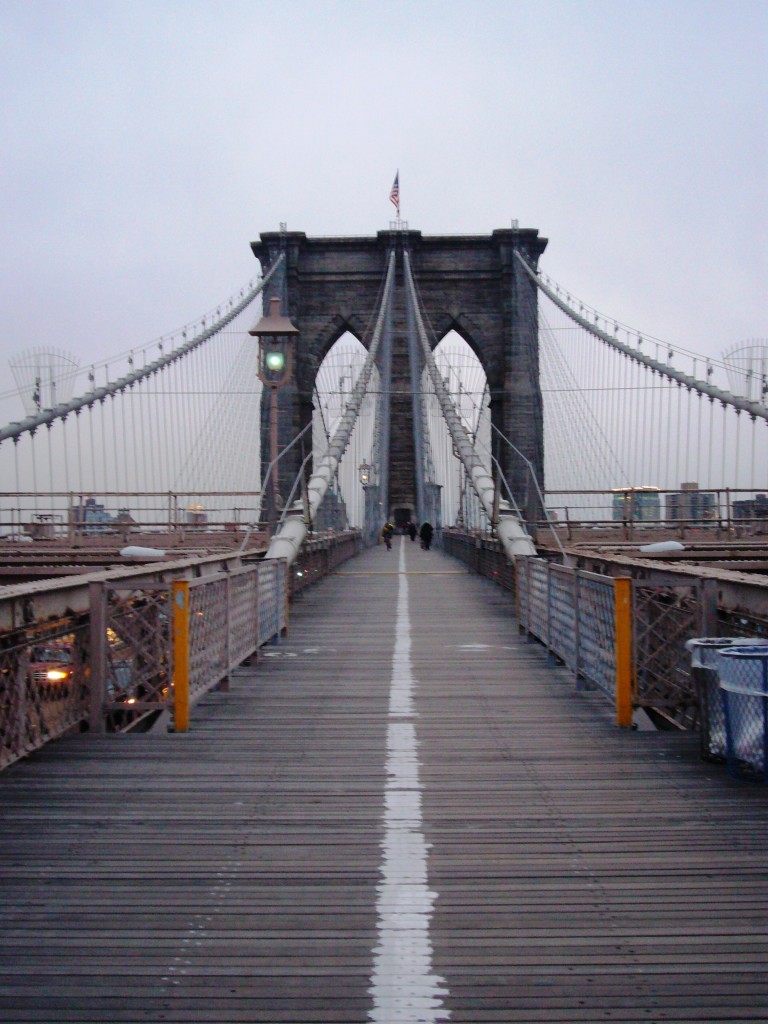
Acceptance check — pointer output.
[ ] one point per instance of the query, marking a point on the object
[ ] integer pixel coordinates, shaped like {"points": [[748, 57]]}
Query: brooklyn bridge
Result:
{"points": [[258, 766]]}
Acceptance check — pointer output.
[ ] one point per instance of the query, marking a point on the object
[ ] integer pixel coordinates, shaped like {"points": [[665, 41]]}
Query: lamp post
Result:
{"points": [[370, 501], [277, 340]]}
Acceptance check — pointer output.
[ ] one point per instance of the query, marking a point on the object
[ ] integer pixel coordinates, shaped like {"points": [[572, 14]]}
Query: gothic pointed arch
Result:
{"points": [[470, 284]]}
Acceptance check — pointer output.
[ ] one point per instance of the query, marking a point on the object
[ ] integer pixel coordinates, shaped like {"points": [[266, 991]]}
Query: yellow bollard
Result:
{"points": [[622, 593], [181, 655]]}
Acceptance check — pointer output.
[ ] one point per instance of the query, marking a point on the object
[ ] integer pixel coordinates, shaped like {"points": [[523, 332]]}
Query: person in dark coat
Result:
{"points": [[387, 532], [412, 531], [425, 533]]}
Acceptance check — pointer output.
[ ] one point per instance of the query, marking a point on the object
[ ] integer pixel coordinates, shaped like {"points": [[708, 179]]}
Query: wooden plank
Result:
{"points": [[230, 874]]}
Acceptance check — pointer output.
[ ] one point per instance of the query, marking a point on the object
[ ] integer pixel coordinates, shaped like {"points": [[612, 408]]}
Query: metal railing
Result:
{"points": [[110, 652], [575, 613], [318, 557], [218, 623], [582, 618], [70, 517], [483, 553], [684, 513], [43, 684]]}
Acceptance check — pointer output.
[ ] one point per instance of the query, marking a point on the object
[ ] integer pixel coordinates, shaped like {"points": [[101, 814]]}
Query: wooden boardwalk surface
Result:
{"points": [[403, 814]]}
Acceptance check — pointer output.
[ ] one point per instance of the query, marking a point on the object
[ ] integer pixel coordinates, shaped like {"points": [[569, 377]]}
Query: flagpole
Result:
{"points": [[394, 197]]}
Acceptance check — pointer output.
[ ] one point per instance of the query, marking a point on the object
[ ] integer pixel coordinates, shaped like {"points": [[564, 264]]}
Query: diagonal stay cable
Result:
{"points": [[509, 526], [288, 541]]}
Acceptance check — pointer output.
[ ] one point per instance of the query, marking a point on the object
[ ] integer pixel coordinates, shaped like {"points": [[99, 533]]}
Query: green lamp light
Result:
{"points": [[275, 361], [277, 337]]}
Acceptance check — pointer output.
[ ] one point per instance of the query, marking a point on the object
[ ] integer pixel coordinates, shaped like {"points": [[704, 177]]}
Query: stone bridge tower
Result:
{"points": [[470, 284]]}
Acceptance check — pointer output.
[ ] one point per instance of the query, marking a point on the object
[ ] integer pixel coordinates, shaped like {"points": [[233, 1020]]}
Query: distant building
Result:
{"points": [[91, 517], [636, 504], [690, 505], [751, 508]]}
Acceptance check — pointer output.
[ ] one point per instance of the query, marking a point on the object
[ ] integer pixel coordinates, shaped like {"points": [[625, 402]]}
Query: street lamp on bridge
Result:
{"points": [[277, 341]]}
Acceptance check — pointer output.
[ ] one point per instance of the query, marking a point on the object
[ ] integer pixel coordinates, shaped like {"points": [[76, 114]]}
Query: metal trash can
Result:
{"points": [[744, 688], [706, 680]]}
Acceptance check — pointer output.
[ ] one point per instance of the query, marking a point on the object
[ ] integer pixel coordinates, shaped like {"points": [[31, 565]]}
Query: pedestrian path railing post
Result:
{"points": [[223, 683], [578, 660], [622, 589], [551, 656], [181, 655], [97, 596]]}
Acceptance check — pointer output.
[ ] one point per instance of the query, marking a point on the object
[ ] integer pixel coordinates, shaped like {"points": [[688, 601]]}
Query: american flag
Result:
{"points": [[394, 195]]}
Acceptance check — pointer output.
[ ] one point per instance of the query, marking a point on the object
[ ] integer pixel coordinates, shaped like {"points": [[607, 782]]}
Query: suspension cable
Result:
{"points": [[98, 394], [287, 543], [703, 387]]}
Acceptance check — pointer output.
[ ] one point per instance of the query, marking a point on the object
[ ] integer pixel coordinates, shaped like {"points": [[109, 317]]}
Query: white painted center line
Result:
{"points": [[404, 987]]}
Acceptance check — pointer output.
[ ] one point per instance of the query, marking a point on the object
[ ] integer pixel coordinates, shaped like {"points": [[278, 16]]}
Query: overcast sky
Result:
{"points": [[146, 144]]}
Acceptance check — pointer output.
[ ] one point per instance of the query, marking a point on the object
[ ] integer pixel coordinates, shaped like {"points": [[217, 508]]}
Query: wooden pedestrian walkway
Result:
{"points": [[402, 814]]}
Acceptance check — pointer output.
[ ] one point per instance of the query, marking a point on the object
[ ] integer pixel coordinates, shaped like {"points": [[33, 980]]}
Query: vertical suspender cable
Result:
{"points": [[16, 473], [124, 403], [148, 419], [67, 482], [642, 410], [93, 449], [671, 447], [165, 374], [103, 442], [135, 405], [698, 437], [679, 465], [688, 457], [34, 470], [723, 445], [710, 479], [50, 460], [113, 444], [79, 452]]}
